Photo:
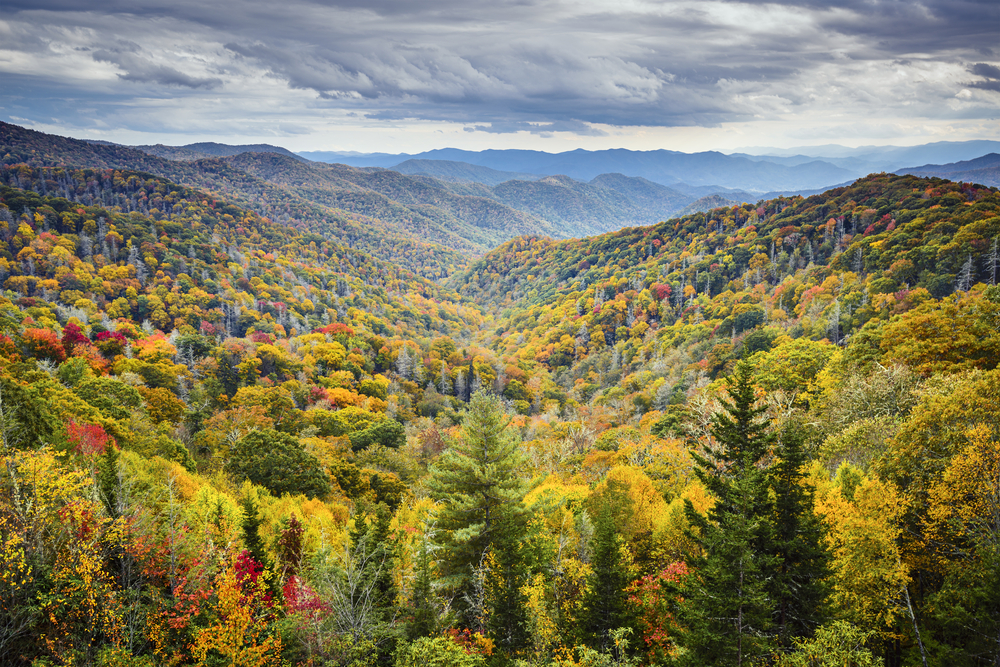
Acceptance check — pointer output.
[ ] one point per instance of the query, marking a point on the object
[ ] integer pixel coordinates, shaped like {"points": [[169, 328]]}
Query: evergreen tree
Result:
{"points": [[798, 587], [376, 550], [479, 486], [423, 621], [507, 570], [726, 615], [361, 589], [252, 541], [606, 606], [107, 480], [371, 536]]}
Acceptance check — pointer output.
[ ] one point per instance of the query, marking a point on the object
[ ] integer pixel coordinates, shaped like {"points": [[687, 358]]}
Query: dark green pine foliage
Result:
{"points": [[798, 587], [964, 615], [372, 537], [726, 614], [423, 620], [107, 480], [252, 541], [509, 569], [605, 603], [377, 550], [479, 486]]}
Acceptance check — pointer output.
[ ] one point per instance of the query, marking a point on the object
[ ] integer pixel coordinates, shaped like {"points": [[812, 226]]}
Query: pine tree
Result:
{"points": [[423, 622], [507, 572], [605, 604], [107, 480], [798, 587], [362, 590], [252, 541], [479, 486], [726, 615], [371, 535]]}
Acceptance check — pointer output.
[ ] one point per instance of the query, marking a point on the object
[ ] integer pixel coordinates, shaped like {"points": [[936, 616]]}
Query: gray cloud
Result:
{"points": [[990, 73], [139, 68], [537, 66]]}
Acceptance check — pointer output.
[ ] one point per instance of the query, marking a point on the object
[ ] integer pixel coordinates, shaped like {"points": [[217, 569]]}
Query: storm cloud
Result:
{"points": [[535, 66]]}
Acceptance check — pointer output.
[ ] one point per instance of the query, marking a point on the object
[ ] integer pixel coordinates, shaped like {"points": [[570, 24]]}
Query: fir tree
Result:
{"points": [[376, 551], [606, 606], [371, 535], [107, 479], [798, 587], [726, 614], [507, 572], [423, 621], [479, 485], [252, 541]]}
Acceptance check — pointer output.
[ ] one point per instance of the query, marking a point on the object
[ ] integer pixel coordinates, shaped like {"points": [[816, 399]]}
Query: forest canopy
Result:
{"points": [[762, 435]]}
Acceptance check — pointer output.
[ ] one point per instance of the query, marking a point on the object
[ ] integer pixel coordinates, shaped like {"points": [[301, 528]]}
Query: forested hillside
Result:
{"points": [[379, 238], [760, 435]]}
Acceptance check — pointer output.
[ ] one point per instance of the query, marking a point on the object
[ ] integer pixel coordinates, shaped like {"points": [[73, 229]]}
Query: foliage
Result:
{"points": [[559, 458], [277, 462]]}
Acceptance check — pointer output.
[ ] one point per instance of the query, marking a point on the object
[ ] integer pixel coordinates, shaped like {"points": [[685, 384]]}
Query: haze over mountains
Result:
{"points": [[773, 169], [661, 166]]}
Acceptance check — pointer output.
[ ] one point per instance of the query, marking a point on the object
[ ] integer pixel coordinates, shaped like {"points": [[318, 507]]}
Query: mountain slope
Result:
{"points": [[429, 240], [826, 264], [143, 248], [984, 170]]}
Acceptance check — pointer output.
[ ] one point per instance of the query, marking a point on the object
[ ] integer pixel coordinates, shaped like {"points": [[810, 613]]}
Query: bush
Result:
{"points": [[437, 652]]}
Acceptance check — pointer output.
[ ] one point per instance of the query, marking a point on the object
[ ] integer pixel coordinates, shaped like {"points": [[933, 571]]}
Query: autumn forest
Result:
{"points": [[256, 411]]}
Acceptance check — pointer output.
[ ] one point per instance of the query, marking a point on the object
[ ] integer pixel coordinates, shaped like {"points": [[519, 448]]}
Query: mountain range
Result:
{"points": [[660, 166], [432, 212], [429, 221]]}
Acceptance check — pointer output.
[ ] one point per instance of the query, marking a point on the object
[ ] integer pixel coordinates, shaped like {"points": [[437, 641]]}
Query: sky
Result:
{"points": [[410, 75]]}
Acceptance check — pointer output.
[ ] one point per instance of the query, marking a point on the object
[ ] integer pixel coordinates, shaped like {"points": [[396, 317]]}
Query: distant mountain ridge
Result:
{"points": [[665, 167], [872, 159], [446, 211], [429, 225], [984, 170]]}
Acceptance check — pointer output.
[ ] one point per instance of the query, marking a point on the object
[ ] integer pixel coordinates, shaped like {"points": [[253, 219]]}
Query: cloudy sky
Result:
{"points": [[411, 75]]}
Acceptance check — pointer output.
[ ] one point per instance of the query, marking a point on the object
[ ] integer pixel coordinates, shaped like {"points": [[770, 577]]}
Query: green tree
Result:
{"points": [[480, 488], [107, 480], [423, 614], [112, 397], [26, 421], [726, 614], [605, 604], [798, 586], [252, 541], [388, 433], [278, 462], [376, 551]]}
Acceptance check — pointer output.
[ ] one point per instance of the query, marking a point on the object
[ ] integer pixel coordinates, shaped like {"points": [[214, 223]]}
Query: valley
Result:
{"points": [[495, 407]]}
